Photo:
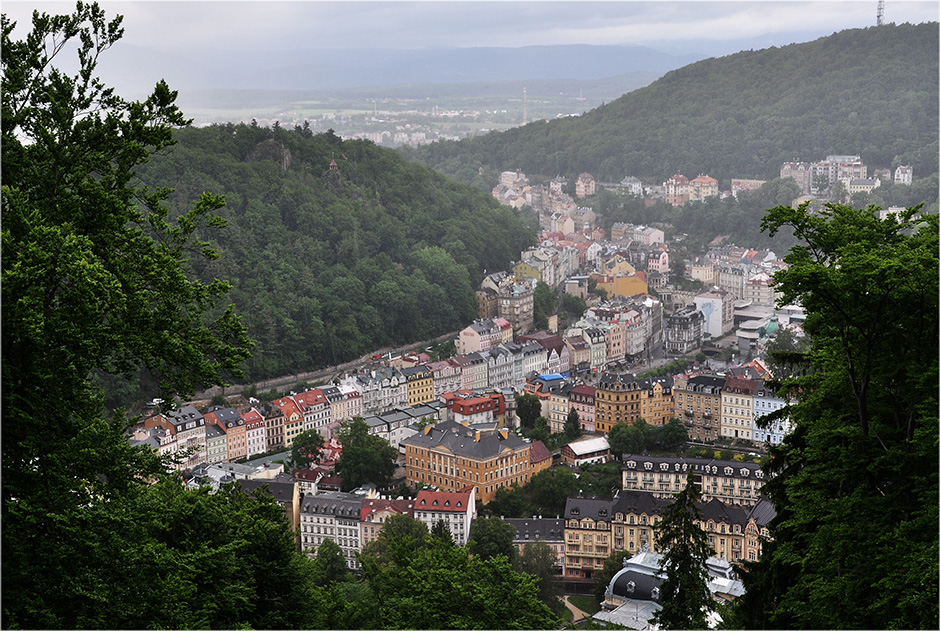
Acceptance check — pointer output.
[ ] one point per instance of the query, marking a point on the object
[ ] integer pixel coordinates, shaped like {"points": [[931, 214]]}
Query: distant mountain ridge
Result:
{"points": [[339, 69], [871, 92]]}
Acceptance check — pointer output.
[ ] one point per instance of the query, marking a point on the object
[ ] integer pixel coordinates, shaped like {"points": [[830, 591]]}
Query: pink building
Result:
{"points": [[581, 398]]}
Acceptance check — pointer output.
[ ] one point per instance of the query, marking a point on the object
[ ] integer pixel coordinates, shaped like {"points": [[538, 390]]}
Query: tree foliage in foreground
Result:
{"points": [[95, 279], [425, 582], [855, 542]]}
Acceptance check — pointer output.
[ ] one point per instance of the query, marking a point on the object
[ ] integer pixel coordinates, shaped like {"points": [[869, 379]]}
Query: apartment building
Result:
{"points": [[698, 405], [452, 457], [732, 482], [335, 516]]}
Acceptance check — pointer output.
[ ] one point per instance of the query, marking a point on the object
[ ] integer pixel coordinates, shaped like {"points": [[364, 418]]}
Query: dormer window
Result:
{"points": [[575, 511], [631, 464], [729, 471], [655, 593], [648, 466], [759, 474], [745, 472], [631, 587], [663, 466]]}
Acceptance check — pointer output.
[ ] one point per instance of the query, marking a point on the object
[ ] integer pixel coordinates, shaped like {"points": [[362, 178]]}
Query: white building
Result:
{"points": [[331, 516], [456, 509]]}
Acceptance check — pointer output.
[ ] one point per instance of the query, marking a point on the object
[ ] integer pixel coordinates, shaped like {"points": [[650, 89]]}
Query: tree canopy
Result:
{"points": [[855, 542], [328, 263], [96, 280], [684, 593], [366, 457]]}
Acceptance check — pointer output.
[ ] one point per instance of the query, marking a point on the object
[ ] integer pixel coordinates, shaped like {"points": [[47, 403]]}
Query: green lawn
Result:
{"points": [[587, 604]]}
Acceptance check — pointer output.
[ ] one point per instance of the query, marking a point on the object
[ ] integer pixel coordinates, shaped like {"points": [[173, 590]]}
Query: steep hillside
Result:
{"points": [[329, 262], [871, 92]]}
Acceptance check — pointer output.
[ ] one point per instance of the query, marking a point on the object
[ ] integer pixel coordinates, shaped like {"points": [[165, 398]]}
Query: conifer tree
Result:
{"points": [[684, 593]]}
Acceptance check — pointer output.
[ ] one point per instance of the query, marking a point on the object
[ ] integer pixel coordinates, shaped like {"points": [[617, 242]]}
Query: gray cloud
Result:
{"points": [[408, 25]]}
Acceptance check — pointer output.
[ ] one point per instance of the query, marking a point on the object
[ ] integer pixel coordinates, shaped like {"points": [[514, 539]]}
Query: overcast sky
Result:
{"points": [[406, 25]]}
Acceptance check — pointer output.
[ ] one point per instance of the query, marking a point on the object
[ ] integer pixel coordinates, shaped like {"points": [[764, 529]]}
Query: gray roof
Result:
{"points": [[336, 503], [762, 512], [675, 465], [537, 529], [581, 507], [185, 414], [280, 491], [214, 431], [463, 441]]}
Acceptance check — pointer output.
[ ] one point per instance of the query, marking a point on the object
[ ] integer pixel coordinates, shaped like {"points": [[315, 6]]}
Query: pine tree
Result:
{"points": [[684, 594]]}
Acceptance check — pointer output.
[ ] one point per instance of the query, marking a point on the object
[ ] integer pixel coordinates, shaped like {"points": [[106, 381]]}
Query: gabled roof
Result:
{"points": [[446, 501], [538, 452]]}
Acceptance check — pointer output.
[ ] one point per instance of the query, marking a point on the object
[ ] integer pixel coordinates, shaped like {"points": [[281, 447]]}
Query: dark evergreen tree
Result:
{"points": [[572, 425], [684, 593]]}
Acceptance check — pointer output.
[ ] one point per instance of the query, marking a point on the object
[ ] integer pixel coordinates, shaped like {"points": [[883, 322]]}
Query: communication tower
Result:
{"points": [[880, 16], [525, 114]]}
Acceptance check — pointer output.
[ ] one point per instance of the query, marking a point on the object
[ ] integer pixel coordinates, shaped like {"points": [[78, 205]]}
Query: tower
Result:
{"points": [[525, 114], [880, 15]]}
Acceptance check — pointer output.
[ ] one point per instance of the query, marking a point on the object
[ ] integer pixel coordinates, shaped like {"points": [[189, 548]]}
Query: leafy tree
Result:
{"points": [[509, 502], [549, 490], [630, 438], [684, 593], [490, 537], [94, 280], [868, 402], [306, 448], [601, 479], [330, 564], [673, 436], [366, 457], [444, 587], [540, 431], [572, 425], [544, 302], [538, 560], [528, 408]]}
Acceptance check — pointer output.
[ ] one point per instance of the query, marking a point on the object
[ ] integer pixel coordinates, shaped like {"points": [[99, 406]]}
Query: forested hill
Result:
{"points": [[871, 92], [328, 263]]}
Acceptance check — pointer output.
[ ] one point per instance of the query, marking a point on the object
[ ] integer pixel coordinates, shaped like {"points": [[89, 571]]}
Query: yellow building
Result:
{"points": [[616, 400], [596, 528], [525, 270], [656, 401], [420, 382], [622, 285]]}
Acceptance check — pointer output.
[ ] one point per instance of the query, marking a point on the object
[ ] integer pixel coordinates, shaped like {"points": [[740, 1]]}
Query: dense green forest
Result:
{"points": [[329, 263], [871, 92]]}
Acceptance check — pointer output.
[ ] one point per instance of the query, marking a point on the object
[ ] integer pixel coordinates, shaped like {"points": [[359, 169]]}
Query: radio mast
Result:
{"points": [[880, 16], [525, 114]]}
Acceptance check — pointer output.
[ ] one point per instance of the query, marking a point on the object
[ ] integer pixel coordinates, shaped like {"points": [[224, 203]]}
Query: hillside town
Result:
{"points": [[454, 425]]}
